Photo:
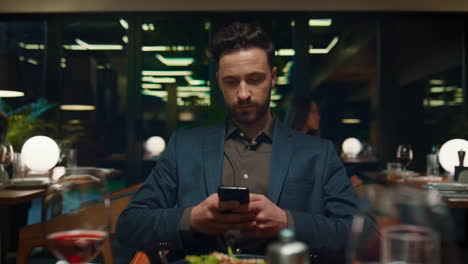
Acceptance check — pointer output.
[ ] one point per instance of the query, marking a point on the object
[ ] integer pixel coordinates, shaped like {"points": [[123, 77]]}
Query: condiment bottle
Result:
{"points": [[287, 250]]}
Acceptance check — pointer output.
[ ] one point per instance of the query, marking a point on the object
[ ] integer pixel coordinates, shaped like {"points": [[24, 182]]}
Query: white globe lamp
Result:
{"points": [[40, 154], [448, 154], [154, 146], [351, 147]]}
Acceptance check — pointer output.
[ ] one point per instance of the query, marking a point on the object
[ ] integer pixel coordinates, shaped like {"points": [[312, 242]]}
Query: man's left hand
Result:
{"points": [[269, 218]]}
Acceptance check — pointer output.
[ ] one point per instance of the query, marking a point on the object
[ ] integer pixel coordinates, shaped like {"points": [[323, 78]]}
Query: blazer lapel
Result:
{"points": [[213, 154], [280, 159]]}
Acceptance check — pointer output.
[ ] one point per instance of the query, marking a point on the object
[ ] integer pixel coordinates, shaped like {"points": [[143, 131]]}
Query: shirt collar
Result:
{"points": [[232, 128]]}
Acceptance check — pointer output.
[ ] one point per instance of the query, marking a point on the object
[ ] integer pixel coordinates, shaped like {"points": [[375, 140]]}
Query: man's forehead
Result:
{"points": [[245, 60]]}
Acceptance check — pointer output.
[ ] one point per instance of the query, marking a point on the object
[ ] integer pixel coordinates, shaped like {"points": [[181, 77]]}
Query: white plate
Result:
{"points": [[447, 186], [425, 178], [28, 183], [408, 173], [87, 170], [454, 194]]}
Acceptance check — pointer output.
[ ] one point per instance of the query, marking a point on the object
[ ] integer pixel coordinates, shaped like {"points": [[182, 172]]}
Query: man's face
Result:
{"points": [[246, 79]]}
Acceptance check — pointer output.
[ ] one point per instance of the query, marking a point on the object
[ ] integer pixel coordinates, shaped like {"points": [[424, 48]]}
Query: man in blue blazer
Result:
{"points": [[297, 181]]}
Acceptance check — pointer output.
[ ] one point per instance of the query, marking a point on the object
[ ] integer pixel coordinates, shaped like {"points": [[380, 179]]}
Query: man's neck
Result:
{"points": [[252, 130]]}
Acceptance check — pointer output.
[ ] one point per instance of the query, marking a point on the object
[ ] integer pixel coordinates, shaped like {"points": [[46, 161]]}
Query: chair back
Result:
{"points": [[463, 175]]}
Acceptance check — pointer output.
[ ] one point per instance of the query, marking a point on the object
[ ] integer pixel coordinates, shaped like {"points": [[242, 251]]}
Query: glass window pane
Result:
{"points": [[93, 96], [342, 54], [22, 64], [175, 81]]}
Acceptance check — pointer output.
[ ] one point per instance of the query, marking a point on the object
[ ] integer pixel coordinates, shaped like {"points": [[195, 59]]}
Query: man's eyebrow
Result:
{"points": [[256, 73], [229, 77], [248, 74]]}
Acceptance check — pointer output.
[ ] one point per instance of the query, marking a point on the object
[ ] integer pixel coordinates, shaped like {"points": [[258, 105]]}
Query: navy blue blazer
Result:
{"points": [[306, 177]]}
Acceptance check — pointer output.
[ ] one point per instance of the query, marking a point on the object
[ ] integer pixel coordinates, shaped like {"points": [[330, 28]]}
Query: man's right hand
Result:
{"points": [[207, 217]]}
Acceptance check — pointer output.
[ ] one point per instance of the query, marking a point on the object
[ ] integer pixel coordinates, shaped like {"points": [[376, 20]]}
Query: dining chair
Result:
{"points": [[461, 174], [33, 236], [150, 256], [140, 258]]}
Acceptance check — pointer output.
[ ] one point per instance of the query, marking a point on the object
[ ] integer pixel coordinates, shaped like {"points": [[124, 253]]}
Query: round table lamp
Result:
{"points": [[40, 154], [448, 154], [351, 147], [154, 146]]}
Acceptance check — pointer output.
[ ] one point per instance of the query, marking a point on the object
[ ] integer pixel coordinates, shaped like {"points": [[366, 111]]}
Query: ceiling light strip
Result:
{"points": [[166, 73]]}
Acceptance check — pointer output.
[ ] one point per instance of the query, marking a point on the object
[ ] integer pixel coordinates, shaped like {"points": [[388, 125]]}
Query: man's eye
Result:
{"points": [[255, 80], [230, 82]]}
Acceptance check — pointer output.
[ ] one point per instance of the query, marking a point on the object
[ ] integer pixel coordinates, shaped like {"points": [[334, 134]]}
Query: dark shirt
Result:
{"points": [[247, 161], [247, 164]]}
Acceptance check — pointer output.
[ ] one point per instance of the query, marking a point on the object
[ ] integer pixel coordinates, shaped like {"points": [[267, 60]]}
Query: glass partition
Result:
{"points": [[92, 102], [22, 79], [175, 80]]}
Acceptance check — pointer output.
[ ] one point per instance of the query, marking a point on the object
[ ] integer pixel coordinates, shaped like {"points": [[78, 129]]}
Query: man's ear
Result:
{"points": [[273, 76], [219, 82]]}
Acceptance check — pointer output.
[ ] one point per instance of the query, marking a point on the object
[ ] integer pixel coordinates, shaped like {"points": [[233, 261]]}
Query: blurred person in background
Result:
{"points": [[306, 119], [3, 126], [307, 116]]}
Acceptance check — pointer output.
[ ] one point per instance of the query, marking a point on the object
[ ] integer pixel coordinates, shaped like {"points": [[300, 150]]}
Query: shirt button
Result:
{"points": [[246, 176]]}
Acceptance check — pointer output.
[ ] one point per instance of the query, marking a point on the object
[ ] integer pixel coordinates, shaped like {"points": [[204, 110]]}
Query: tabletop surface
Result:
{"points": [[453, 202], [14, 196]]}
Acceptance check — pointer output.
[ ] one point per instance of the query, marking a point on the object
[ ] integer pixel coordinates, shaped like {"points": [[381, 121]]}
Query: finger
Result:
{"points": [[211, 202], [234, 218], [244, 226], [249, 227], [261, 217], [228, 205], [243, 208], [256, 197], [255, 207]]}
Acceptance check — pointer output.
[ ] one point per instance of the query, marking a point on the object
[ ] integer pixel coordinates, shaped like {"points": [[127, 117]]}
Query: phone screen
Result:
{"points": [[240, 194]]}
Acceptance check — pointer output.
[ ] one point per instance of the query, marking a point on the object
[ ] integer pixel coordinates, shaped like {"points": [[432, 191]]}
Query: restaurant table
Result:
{"points": [[452, 202], [360, 164], [12, 200]]}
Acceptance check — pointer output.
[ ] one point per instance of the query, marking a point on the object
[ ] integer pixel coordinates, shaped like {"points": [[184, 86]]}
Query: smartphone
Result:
{"points": [[240, 194]]}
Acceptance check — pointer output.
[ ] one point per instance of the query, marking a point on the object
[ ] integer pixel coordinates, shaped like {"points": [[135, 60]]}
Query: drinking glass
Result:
{"points": [[19, 168], [78, 217], [6, 156], [404, 156], [432, 164], [401, 224], [410, 244], [72, 158]]}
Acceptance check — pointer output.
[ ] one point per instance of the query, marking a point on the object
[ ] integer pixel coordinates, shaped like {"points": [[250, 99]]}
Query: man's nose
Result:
{"points": [[243, 94]]}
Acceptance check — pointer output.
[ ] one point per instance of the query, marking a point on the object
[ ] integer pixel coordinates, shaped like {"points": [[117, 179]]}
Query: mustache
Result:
{"points": [[244, 101]]}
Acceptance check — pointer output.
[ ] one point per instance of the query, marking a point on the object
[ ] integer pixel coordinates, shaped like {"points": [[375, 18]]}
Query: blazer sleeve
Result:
{"points": [[152, 216], [329, 229]]}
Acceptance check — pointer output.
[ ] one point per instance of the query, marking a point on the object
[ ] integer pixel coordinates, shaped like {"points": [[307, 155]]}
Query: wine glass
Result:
{"points": [[77, 210], [404, 156]]}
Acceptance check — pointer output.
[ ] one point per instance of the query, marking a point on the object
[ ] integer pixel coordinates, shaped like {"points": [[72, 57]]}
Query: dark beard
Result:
{"points": [[246, 118]]}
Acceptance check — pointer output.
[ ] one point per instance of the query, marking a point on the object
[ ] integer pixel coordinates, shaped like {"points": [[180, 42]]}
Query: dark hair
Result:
{"points": [[238, 36], [3, 126], [300, 110]]}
